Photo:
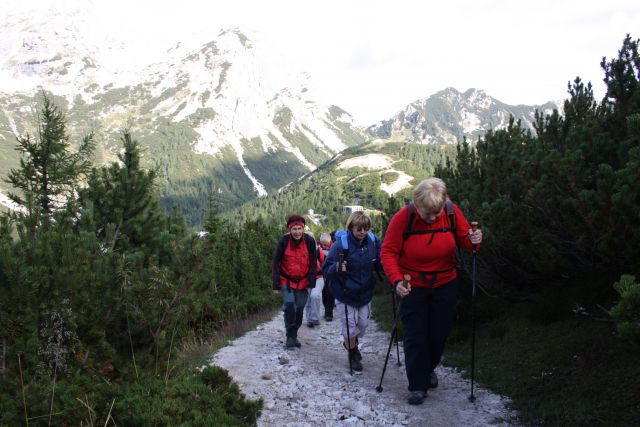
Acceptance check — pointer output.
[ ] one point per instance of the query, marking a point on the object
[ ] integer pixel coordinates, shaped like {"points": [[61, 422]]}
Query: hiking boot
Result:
{"points": [[328, 317], [297, 343], [355, 350], [356, 353], [433, 380], [316, 322], [355, 358], [416, 397], [310, 324], [291, 342]]}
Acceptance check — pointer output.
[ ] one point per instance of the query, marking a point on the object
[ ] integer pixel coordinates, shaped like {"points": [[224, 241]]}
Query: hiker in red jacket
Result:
{"points": [[294, 270], [421, 241]]}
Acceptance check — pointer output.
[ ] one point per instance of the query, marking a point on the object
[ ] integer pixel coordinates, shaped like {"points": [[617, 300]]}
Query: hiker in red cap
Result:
{"points": [[294, 271]]}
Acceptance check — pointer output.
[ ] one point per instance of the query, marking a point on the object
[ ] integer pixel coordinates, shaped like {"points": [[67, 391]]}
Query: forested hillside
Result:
{"points": [[351, 179]]}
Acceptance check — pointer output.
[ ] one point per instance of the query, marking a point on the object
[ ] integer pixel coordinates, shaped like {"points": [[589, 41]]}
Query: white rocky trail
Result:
{"points": [[311, 385]]}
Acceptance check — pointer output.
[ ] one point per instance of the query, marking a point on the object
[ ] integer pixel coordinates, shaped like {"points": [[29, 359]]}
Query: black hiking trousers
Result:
{"points": [[328, 302], [427, 317]]}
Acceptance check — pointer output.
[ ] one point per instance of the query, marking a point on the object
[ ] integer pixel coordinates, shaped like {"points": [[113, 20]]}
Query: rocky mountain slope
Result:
{"points": [[448, 116], [228, 114]]}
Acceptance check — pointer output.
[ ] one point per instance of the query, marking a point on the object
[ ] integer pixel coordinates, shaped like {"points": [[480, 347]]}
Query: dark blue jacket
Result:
{"points": [[355, 287]]}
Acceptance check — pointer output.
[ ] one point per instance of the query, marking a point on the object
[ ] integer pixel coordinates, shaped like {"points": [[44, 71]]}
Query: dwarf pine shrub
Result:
{"points": [[627, 311]]}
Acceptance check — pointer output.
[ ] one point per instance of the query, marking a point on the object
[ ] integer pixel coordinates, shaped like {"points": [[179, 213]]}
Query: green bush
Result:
{"points": [[96, 301], [204, 398], [627, 311]]}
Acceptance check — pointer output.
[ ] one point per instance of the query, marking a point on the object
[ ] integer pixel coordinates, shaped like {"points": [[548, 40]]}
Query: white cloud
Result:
{"points": [[374, 57]]}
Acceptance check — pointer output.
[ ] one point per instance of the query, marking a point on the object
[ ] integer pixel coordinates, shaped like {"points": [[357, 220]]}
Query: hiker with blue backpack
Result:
{"points": [[421, 242], [293, 272], [349, 271]]}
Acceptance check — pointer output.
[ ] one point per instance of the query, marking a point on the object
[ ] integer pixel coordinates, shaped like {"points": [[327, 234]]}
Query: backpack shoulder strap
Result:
{"points": [[310, 242], [449, 211], [343, 235], [451, 218], [284, 241], [451, 215], [313, 252], [412, 218]]}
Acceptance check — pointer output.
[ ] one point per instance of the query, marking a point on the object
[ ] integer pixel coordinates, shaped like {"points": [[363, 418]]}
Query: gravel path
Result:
{"points": [[311, 385]]}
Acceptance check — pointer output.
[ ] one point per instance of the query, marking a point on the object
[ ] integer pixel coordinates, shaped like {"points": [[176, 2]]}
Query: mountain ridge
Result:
{"points": [[224, 113], [448, 116], [246, 122]]}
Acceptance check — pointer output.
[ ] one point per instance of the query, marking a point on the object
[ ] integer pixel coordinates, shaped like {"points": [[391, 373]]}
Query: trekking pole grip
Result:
{"points": [[474, 227]]}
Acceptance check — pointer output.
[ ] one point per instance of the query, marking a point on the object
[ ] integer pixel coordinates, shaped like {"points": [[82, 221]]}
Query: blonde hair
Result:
{"points": [[358, 219], [430, 195]]}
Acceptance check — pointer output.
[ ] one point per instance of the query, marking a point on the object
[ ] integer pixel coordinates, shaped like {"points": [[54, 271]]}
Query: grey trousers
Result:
{"points": [[293, 302], [312, 309]]}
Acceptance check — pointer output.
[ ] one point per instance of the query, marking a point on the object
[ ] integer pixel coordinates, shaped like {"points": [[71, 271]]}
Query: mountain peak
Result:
{"points": [[449, 115]]}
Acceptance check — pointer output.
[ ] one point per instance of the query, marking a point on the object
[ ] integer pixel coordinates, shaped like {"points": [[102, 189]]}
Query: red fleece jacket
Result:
{"points": [[423, 252]]}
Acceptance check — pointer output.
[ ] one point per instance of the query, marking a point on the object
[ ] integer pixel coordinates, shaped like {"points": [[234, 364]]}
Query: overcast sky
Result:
{"points": [[373, 57]]}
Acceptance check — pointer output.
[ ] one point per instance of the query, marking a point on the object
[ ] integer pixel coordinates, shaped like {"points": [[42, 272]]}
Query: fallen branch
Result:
{"points": [[582, 312]]}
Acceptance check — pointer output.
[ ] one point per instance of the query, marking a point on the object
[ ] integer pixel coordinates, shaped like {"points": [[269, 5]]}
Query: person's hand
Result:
{"points": [[475, 236], [402, 290], [342, 267], [275, 291]]}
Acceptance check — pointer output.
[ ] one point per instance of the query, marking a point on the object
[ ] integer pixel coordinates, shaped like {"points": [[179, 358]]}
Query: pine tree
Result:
{"points": [[48, 170], [213, 222], [123, 201]]}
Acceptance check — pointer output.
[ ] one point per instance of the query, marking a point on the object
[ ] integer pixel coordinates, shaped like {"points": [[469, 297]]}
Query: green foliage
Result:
{"points": [[121, 200], [48, 171], [97, 304], [627, 311], [569, 371], [567, 198], [204, 398]]}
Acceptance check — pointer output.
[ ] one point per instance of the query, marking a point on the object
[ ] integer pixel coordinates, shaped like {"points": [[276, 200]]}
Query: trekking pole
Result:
{"points": [[474, 227], [394, 330], [393, 304], [346, 319]]}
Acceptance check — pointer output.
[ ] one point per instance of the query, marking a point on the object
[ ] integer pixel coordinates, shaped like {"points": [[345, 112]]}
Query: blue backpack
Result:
{"points": [[343, 236], [344, 241]]}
